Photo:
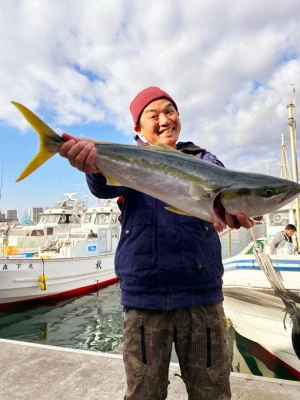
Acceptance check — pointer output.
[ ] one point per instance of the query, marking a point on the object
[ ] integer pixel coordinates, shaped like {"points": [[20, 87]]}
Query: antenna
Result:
{"points": [[267, 165], [284, 165], [294, 102], [292, 132]]}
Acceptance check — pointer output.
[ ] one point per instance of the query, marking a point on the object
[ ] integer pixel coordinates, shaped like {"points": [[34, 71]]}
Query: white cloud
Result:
{"points": [[228, 64]]}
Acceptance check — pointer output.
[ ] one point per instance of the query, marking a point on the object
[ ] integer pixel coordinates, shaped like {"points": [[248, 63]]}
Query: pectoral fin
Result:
{"points": [[197, 192], [176, 210], [111, 181]]}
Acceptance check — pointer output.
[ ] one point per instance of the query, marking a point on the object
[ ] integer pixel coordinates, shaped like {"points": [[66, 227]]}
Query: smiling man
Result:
{"points": [[170, 269]]}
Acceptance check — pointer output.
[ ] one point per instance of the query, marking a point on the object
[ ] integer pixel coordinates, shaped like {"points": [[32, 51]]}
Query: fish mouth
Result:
{"points": [[219, 209]]}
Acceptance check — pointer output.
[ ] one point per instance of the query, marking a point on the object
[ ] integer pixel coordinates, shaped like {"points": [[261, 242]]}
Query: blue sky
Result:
{"points": [[229, 65]]}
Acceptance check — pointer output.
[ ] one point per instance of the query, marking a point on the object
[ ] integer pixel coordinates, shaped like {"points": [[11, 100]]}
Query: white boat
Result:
{"points": [[76, 261], [55, 219], [256, 310]]}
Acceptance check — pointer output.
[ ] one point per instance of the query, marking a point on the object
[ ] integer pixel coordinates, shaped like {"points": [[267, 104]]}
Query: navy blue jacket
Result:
{"points": [[164, 260]]}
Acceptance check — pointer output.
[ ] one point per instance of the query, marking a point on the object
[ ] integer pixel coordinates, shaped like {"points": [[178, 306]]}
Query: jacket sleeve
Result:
{"points": [[207, 156], [99, 188]]}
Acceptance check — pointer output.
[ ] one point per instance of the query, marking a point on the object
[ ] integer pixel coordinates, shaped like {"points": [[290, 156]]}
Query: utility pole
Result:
{"points": [[292, 132]]}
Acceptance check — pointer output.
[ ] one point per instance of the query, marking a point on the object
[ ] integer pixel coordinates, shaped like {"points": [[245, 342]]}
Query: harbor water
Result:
{"points": [[239, 239]]}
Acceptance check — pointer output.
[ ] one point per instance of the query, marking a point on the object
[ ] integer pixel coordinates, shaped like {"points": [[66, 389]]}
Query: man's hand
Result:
{"points": [[81, 153], [237, 221]]}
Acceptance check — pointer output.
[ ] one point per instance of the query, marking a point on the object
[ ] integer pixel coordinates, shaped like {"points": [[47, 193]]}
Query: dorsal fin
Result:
{"points": [[162, 147]]}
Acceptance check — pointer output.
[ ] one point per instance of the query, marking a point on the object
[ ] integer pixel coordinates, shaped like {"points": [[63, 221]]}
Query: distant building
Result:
{"points": [[25, 219], [11, 215], [2, 217], [34, 213]]}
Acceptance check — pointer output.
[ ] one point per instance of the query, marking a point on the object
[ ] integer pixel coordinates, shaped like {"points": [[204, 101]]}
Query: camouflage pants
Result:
{"points": [[200, 339]]}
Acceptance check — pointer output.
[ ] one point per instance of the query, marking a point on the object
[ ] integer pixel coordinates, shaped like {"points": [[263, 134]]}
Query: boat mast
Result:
{"points": [[292, 132]]}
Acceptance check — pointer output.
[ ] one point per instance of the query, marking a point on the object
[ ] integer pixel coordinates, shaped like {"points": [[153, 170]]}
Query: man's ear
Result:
{"points": [[137, 128]]}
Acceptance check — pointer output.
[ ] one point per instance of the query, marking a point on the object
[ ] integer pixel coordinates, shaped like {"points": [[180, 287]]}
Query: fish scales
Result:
{"points": [[159, 174]]}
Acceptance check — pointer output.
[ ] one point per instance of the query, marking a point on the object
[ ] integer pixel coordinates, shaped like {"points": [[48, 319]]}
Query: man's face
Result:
{"points": [[160, 123], [289, 232]]}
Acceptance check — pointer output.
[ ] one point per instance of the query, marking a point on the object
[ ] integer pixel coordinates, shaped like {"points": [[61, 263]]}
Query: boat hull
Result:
{"points": [[20, 279]]}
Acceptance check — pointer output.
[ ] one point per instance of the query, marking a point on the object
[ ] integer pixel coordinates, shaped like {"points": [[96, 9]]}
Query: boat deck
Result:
{"points": [[41, 372]]}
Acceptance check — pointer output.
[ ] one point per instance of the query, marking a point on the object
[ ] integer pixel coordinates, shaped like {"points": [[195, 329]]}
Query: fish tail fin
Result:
{"points": [[50, 142]]}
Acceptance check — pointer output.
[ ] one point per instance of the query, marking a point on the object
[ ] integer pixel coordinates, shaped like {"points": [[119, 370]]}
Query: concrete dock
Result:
{"points": [[40, 372]]}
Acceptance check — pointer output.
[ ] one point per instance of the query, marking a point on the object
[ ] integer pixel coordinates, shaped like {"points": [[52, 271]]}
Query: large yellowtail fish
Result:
{"points": [[185, 183]]}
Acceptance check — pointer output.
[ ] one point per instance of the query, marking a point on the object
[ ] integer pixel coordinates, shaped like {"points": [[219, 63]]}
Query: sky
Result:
{"points": [[232, 66]]}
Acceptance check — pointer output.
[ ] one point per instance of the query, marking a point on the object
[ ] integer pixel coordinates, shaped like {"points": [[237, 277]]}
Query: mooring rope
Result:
{"points": [[289, 299]]}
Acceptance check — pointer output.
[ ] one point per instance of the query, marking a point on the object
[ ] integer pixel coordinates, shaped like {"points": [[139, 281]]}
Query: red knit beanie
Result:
{"points": [[144, 98]]}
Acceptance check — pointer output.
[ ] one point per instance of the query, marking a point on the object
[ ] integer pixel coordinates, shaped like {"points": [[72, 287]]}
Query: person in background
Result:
{"points": [[169, 267], [282, 242], [5, 236]]}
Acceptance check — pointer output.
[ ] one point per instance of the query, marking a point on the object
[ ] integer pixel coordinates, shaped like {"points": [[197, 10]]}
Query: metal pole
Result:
{"points": [[229, 243], [292, 132]]}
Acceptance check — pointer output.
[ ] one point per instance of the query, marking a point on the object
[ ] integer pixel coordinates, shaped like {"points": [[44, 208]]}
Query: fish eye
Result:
{"points": [[268, 192]]}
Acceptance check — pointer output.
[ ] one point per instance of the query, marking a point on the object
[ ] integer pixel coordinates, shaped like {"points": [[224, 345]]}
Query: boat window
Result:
{"points": [[62, 219], [101, 219], [87, 218], [49, 231], [37, 232]]}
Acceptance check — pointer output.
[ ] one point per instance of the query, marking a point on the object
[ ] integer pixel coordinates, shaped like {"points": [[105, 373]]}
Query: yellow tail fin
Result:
{"points": [[50, 142]]}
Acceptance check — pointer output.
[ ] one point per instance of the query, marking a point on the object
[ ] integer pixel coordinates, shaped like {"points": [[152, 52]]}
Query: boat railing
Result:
{"points": [[23, 244], [50, 245]]}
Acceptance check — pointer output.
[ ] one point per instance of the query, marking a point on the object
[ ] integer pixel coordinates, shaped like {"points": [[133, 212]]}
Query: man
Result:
{"points": [[282, 242], [170, 270], [5, 236]]}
